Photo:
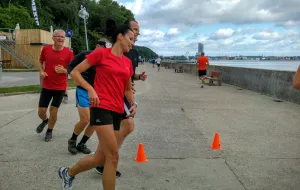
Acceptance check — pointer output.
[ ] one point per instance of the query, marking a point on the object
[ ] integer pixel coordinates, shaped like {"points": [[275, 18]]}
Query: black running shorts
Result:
{"points": [[99, 116], [201, 73], [46, 96]]}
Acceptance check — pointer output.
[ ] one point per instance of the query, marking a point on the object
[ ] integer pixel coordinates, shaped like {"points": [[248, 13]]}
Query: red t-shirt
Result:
{"points": [[112, 76], [202, 60], [52, 58]]}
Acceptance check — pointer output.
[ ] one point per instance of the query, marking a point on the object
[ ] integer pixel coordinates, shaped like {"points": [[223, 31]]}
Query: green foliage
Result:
{"points": [[146, 52], [63, 14], [9, 17]]}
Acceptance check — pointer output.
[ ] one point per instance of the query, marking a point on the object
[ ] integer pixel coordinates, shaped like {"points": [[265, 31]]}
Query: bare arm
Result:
{"points": [[130, 98], [129, 92], [296, 81], [43, 74]]}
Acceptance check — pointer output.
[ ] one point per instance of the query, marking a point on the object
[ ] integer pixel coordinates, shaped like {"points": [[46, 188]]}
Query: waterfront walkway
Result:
{"points": [[176, 121]]}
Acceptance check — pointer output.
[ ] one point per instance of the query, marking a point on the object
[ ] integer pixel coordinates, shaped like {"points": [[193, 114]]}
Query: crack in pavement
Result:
{"points": [[235, 175], [17, 118]]}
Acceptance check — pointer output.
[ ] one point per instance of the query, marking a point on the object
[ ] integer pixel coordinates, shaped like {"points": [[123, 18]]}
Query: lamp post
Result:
{"points": [[84, 15]]}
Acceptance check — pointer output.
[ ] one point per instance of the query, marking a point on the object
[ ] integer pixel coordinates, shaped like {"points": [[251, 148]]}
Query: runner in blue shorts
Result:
{"points": [[83, 104]]}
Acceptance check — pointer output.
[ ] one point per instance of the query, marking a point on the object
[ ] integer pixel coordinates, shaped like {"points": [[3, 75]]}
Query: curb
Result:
{"points": [[28, 92]]}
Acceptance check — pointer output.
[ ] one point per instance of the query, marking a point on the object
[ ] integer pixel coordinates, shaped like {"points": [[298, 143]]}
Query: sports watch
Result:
{"points": [[134, 103]]}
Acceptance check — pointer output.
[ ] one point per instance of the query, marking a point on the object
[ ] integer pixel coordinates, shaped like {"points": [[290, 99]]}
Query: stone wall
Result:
{"points": [[277, 84]]}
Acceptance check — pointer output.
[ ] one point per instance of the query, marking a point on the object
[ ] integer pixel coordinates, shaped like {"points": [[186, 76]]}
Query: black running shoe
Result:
{"points": [[41, 127], [100, 169], [48, 136], [72, 147], [82, 148]]}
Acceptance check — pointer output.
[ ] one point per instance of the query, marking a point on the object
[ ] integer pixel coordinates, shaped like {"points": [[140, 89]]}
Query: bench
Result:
{"points": [[6, 64], [214, 76], [179, 69]]}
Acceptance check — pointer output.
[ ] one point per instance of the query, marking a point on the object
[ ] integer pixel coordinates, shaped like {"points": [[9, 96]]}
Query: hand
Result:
{"points": [[94, 100], [132, 111], [143, 76], [60, 69], [43, 74]]}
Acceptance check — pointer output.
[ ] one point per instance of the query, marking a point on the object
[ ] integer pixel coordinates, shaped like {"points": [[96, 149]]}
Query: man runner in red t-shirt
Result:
{"points": [[202, 63], [54, 60]]}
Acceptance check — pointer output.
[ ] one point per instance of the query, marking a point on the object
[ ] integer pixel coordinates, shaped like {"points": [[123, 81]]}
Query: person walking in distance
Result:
{"points": [[127, 123], [112, 82], [158, 60], [54, 60], [83, 103], [202, 63]]}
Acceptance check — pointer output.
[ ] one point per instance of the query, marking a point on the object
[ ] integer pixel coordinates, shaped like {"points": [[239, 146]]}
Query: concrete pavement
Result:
{"points": [[10, 79], [176, 122]]}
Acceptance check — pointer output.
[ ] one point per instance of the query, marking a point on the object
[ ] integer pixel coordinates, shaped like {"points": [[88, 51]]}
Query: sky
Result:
{"points": [[224, 27]]}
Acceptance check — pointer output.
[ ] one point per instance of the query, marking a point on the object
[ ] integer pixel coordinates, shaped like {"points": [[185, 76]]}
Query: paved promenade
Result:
{"points": [[176, 122]]}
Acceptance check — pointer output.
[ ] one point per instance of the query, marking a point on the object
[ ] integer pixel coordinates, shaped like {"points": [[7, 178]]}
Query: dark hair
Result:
{"points": [[112, 30], [202, 53], [101, 43], [127, 22]]}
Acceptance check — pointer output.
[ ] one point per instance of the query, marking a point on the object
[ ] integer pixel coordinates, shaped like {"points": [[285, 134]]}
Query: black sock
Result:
{"points": [[46, 121], [74, 137], [84, 139], [49, 130]]}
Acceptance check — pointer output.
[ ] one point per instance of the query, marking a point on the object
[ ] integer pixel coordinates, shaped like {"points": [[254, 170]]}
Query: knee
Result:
{"points": [[113, 156], [53, 109], [41, 112], [130, 126], [85, 121]]}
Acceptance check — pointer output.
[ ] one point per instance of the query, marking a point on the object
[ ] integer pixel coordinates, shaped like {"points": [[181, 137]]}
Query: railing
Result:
{"points": [[19, 54]]}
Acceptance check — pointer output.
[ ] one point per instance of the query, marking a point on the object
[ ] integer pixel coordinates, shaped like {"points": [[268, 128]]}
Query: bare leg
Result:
{"points": [[84, 120], [107, 152], [127, 127], [53, 117], [42, 112]]}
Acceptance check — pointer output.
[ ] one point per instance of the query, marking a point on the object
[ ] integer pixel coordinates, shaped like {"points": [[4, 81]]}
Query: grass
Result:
{"points": [[19, 70], [29, 88]]}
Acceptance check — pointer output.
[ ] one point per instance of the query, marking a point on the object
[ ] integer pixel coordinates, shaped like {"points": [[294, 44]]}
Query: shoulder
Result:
{"points": [[126, 59], [47, 47], [68, 50]]}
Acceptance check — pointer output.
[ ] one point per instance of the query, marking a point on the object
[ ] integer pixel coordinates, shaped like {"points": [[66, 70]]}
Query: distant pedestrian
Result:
{"points": [[202, 63], [158, 60]]}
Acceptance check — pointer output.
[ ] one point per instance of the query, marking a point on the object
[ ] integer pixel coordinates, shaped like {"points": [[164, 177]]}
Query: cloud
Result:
{"points": [[172, 26], [194, 13], [222, 34], [266, 35]]}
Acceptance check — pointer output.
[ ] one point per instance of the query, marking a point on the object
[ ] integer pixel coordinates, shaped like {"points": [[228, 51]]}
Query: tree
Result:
{"points": [[63, 14], [9, 17]]}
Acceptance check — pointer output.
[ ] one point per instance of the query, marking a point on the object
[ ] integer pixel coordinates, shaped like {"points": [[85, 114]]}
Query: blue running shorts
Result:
{"points": [[82, 98]]}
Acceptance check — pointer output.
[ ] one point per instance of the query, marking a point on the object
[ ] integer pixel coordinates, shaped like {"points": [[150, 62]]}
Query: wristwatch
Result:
{"points": [[134, 103]]}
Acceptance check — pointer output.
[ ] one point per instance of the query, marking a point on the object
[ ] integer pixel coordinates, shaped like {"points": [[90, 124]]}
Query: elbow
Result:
{"points": [[73, 74]]}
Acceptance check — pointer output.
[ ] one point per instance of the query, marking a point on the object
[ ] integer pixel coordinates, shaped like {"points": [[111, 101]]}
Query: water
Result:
{"points": [[270, 65]]}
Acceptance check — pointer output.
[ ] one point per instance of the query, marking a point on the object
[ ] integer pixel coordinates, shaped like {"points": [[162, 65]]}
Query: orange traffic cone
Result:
{"points": [[216, 143], [141, 156]]}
